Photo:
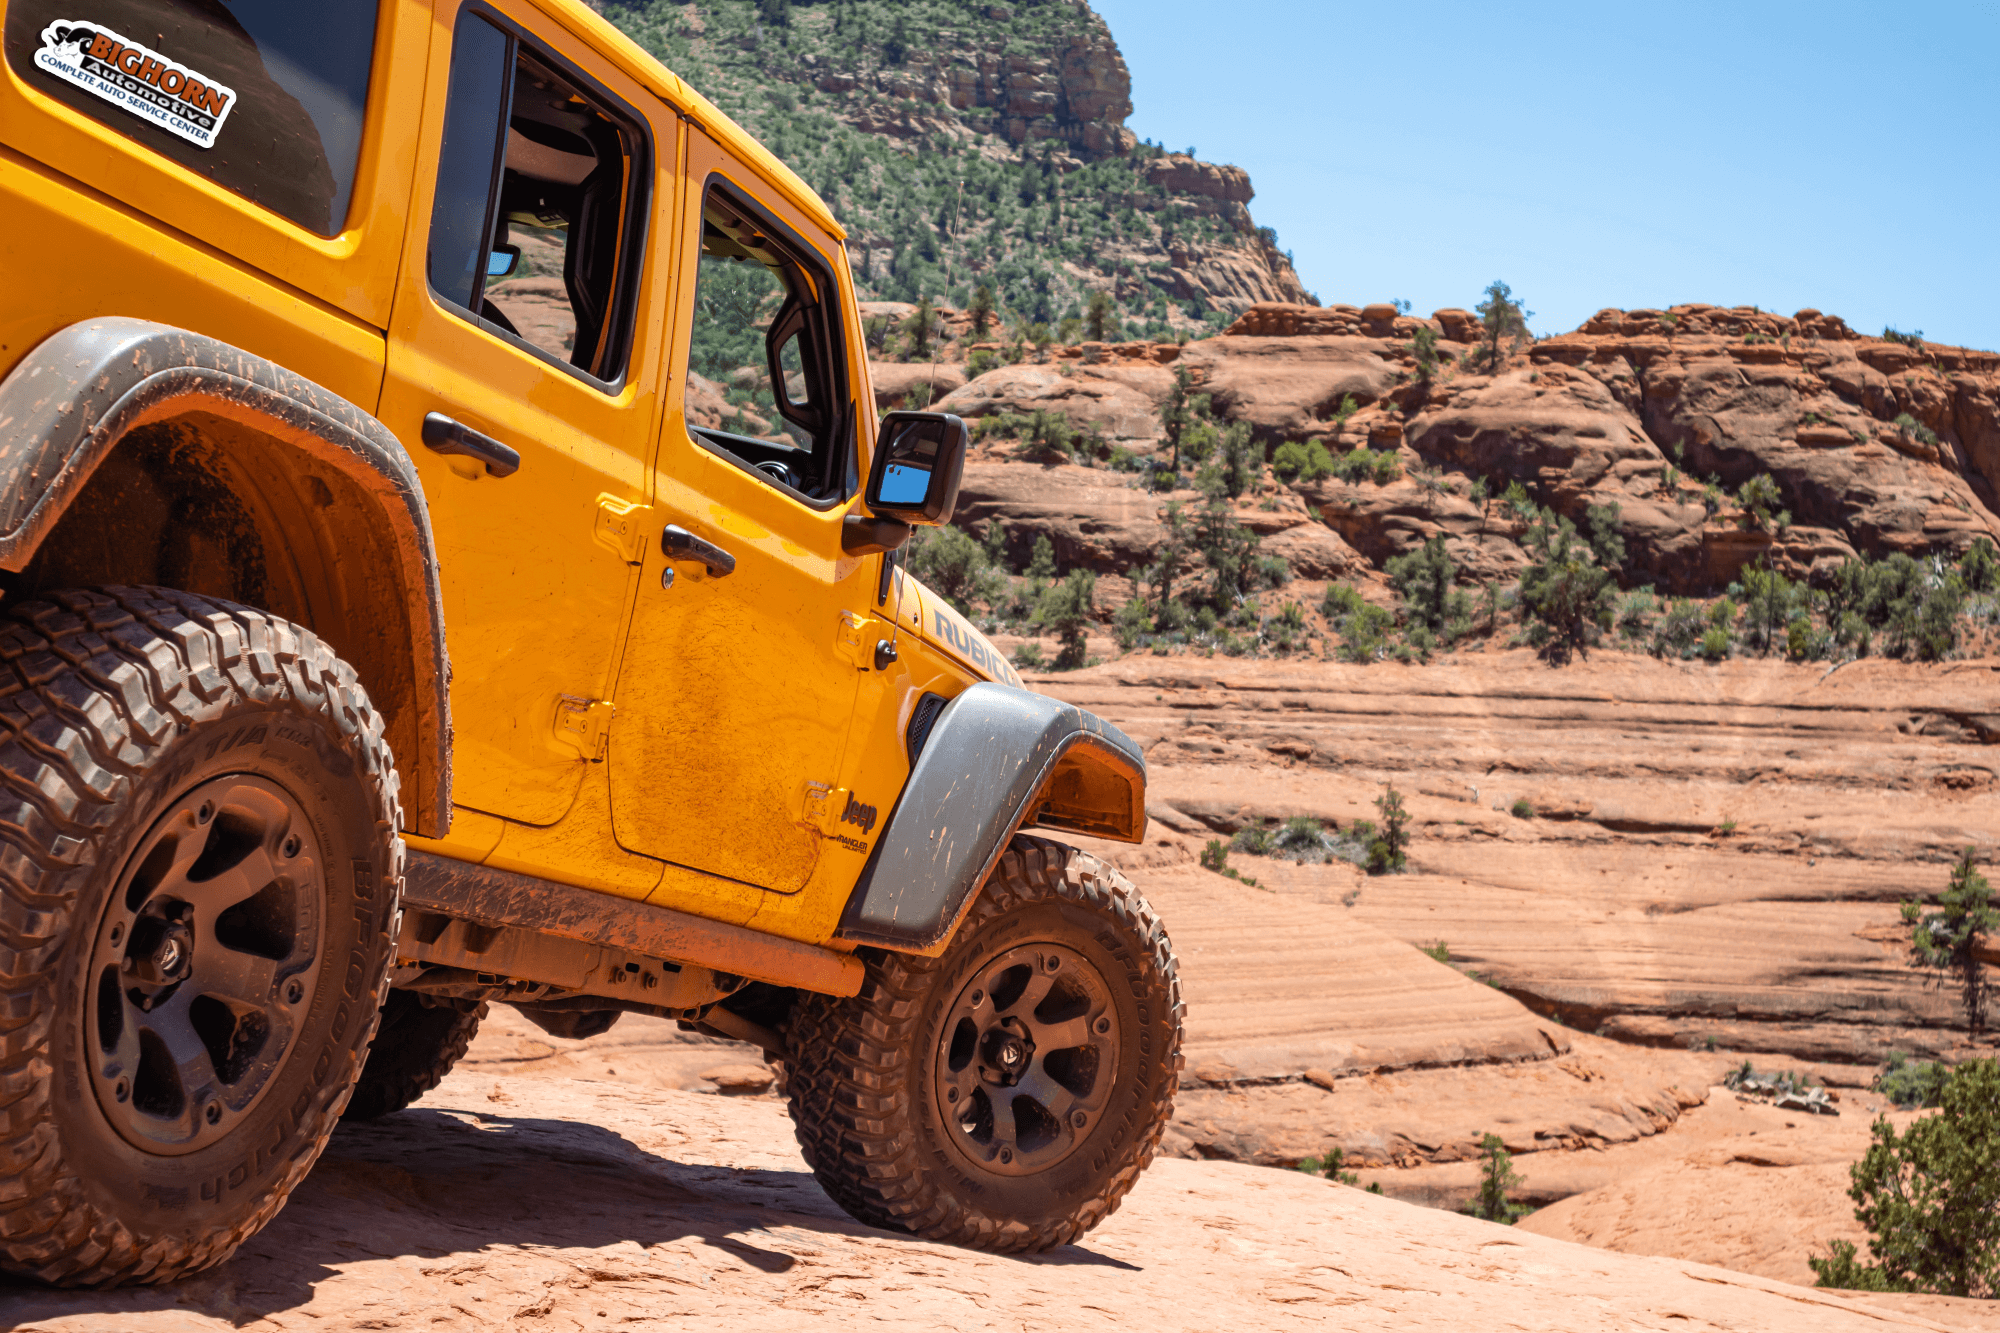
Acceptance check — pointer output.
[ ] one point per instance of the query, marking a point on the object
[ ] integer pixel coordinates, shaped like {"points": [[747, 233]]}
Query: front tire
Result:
{"points": [[198, 903], [1006, 1095]]}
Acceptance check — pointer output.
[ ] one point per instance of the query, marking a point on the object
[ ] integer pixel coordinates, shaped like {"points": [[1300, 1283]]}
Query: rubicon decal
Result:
{"points": [[131, 75]]}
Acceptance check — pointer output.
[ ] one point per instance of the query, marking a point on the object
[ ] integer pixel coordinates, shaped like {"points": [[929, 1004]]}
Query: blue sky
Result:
{"points": [[1834, 155]]}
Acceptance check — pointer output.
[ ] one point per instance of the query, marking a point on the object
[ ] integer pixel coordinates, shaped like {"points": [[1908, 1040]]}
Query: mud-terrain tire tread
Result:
{"points": [[848, 1056], [415, 1046], [94, 686]]}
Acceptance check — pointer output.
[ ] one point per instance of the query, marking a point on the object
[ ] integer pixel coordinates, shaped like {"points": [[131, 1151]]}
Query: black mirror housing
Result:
{"points": [[918, 464]]}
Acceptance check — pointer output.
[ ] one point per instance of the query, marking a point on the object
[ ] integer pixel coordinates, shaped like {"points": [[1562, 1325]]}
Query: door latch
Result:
{"points": [[584, 724], [864, 640], [621, 527]]}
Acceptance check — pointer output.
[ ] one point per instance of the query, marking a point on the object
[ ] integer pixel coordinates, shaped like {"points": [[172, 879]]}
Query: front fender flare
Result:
{"points": [[997, 759]]}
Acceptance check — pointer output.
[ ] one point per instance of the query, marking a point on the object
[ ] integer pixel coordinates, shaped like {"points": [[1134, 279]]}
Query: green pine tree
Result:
{"points": [[1930, 1198], [1950, 940]]}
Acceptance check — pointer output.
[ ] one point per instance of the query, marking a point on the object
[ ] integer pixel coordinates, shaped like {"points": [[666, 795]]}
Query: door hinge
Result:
{"points": [[621, 527], [584, 724], [856, 636]]}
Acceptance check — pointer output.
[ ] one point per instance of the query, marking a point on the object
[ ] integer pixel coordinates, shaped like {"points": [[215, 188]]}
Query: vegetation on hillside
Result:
{"points": [[1930, 1198], [949, 207]]}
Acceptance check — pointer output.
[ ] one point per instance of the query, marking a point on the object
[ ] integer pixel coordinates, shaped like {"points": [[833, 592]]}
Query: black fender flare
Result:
{"points": [[65, 406], [996, 760]]}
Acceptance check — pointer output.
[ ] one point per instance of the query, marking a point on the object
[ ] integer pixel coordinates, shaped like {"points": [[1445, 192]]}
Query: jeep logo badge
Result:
{"points": [[857, 814]]}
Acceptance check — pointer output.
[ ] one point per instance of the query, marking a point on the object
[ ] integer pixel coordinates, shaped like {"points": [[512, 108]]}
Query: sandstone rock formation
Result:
{"points": [[1716, 853], [1636, 409], [549, 1203]]}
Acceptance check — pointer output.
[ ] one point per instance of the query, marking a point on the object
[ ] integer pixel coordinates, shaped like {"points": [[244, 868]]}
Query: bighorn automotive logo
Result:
{"points": [[138, 78]]}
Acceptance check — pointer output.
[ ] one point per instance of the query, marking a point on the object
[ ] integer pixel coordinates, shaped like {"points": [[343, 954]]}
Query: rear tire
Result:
{"points": [[1006, 1095], [416, 1045], [199, 876]]}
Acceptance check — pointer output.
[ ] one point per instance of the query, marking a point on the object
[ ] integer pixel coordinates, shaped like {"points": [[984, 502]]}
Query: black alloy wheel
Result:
{"points": [[206, 957], [1025, 1066]]}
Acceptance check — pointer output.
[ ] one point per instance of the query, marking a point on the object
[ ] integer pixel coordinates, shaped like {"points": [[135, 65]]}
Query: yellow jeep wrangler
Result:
{"points": [[450, 556]]}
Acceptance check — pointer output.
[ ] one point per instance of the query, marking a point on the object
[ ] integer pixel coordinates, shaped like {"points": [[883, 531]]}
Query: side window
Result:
{"points": [[263, 97], [765, 385], [539, 218]]}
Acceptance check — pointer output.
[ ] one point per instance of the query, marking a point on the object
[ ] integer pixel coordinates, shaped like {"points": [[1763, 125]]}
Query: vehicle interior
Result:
{"points": [[764, 388]]}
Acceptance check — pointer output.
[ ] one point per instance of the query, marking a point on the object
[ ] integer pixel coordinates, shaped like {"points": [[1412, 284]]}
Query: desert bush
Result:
{"points": [[1387, 854], [982, 361], [1914, 429], [1298, 462], [1066, 609], [1440, 951], [1041, 560], [1424, 351], [1028, 656], [1912, 1086], [1770, 601], [948, 560], [1423, 578], [1930, 1198], [1365, 464], [1498, 1176], [1363, 627], [1521, 809], [1762, 500], [1979, 570], [1914, 605], [1948, 941], [1914, 339], [1679, 631], [1504, 318], [1566, 594]]}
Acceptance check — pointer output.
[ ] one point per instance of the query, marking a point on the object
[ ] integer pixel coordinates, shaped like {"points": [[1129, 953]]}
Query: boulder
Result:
{"points": [[1121, 399], [894, 381]]}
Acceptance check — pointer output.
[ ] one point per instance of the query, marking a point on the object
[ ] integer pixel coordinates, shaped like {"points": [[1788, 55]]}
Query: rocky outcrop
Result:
{"points": [[1875, 446], [504, 1202]]}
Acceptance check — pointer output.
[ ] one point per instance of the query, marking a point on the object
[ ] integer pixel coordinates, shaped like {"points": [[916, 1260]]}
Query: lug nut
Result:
{"points": [[117, 933], [977, 996], [213, 1113], [1103, 1026], [291, 847], [951, 1094], [1051, 963], [1079, 1119], [206, 813], [294, 991], [123, 1090], [1006, 1156]]}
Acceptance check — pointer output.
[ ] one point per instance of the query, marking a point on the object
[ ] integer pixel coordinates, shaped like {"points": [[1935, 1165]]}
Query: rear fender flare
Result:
{"points": [[369, 561], [996, 760]]}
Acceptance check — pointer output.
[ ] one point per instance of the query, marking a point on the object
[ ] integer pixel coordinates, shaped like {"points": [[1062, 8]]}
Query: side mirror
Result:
{"points": [[502, 261], [919, 460]]}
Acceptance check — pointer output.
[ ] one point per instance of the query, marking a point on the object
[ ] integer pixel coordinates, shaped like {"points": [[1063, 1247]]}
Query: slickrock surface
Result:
{"points": [[1623, 907], [505, 1203]]}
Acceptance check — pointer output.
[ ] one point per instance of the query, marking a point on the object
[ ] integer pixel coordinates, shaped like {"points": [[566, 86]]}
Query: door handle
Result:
{"points": [[677, 543], [445, 436]]}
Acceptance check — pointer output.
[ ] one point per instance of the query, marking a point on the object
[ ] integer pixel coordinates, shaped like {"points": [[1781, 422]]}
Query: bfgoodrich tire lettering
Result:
{"points": [[1079, 963], [130, 718]]}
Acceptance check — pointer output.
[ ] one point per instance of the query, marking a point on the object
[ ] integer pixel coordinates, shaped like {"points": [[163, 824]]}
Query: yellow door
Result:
{"points": [[736, 688], [535, 150]]}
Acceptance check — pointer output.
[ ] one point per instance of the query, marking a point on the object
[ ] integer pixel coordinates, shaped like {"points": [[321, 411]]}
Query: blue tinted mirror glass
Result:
{"points": [[903, 484], [499, 264]]}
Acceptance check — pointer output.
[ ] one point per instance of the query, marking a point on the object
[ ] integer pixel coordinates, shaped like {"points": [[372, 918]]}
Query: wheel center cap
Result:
{"points": [[170, 960]]}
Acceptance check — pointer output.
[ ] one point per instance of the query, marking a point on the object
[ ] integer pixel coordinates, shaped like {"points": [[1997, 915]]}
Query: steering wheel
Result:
{"points": [[772, 467]]}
